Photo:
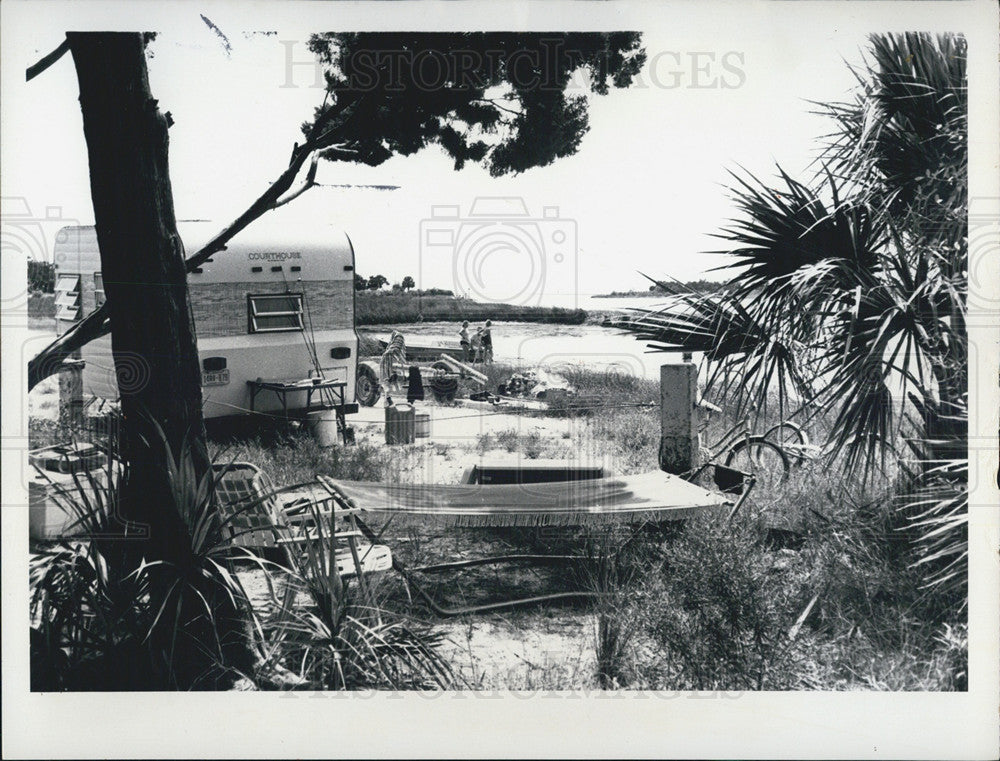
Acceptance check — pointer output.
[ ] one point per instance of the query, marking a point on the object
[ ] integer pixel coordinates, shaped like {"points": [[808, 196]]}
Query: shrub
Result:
{"points": [[297, 458], [620, 557], [718, 613], [41, 277], [334, 634]]}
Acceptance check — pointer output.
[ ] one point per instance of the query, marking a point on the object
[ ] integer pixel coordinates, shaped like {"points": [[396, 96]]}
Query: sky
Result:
{"points": [[644, 193]]}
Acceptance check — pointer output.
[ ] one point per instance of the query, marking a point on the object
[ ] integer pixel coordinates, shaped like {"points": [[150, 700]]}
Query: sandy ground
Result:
{"points": [[43, 401], [549, 650], [541, 647], [465, 435]]}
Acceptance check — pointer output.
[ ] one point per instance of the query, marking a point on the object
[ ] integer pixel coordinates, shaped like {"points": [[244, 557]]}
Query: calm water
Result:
{"points": [[534, 344]]}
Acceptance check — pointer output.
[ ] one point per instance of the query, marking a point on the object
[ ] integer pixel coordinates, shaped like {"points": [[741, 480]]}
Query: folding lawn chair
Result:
{"points": [[258, 520]]}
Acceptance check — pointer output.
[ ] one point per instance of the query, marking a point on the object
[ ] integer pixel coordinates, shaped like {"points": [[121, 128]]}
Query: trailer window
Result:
{"points": [[68, 297], [270, 313], [99, 297]]}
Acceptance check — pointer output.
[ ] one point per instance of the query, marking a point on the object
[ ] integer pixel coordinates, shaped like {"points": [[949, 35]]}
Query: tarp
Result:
{"points": [[654, 496]]}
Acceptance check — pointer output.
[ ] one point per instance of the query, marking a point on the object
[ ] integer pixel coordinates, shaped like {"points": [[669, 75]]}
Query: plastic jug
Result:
{"points": [[400, 425]]}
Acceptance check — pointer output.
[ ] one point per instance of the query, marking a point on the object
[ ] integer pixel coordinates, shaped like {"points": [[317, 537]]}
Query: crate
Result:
{"points": [[67, 458], [48, 520]]}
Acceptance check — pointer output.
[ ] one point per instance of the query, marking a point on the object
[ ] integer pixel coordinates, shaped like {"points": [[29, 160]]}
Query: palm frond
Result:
{"points": [[785, 229], [902, 140], [937, 512]]}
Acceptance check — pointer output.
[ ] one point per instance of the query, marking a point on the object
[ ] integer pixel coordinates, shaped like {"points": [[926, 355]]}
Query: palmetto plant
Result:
{"points": [[106, 617], [847, 294], [331, 632]]}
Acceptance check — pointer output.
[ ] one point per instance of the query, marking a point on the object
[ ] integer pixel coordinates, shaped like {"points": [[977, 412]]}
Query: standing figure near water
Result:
{"points": [[463, 336], [394, 354], [476, 345], [487, 342]]}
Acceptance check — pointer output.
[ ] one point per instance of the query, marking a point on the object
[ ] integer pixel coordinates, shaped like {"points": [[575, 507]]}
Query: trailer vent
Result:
{"points": [[340, 352], [256, 269], [213, 364], [348, 267], [68, 297], [296, 268], [276, 269]]}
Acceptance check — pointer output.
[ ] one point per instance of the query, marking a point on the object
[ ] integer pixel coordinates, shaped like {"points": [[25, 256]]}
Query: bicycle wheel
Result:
{"points": [[787, 432], [791, 438], [763, 459]]}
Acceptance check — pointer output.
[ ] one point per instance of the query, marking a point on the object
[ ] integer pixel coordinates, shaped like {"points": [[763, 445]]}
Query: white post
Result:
{"points": [[678, 426]]}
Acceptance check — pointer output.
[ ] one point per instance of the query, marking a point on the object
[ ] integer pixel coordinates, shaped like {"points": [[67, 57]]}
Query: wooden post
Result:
{"points": [[678, 426], [71, 393]]}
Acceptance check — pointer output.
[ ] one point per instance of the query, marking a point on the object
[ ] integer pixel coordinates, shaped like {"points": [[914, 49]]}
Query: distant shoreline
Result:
{"points": [[631, 295], [393, 308], [692, 286]]}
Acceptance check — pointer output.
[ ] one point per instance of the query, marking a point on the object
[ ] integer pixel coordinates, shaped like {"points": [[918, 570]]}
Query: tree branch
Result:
{"points": [[36, 69], [50, 359], [497, 105], [308, 182]]}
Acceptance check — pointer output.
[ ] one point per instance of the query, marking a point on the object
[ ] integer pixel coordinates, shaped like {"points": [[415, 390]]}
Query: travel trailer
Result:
{"points": [[274, 314]]}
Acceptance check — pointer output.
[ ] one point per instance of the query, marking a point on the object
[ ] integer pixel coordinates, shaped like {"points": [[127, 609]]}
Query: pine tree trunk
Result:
{"points": [[155, 354], [153, 336]]}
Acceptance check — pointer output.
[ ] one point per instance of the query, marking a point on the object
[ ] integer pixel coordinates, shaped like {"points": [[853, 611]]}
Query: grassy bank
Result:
{"points": [[41, 310], [388, 307]]}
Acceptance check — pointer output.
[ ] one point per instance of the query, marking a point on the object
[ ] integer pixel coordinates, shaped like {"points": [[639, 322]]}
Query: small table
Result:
{"points": [[310, 386]]}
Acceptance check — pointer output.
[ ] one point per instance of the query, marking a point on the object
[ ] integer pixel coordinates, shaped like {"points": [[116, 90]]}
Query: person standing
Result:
{"points": [[463, 336], [415, 385], [488, 342], [394, 354], [476, 344]]}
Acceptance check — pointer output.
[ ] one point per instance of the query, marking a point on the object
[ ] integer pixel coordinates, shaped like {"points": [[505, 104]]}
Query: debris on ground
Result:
{"points": [[534, 384]]}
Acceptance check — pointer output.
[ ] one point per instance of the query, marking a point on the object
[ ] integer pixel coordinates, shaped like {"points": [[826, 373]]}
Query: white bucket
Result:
{"points": [[323, 425]]}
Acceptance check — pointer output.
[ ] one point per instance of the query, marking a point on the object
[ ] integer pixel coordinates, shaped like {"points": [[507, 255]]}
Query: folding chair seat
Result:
{"points": [[258, 520]]}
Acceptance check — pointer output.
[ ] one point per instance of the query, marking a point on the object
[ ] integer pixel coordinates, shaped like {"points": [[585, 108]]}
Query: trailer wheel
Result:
{"points": [[444, 388], [366, 386], [441, 367]]}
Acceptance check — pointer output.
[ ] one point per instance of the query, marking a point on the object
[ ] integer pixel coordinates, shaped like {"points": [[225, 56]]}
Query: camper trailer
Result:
{"points": [[273, 312]]}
